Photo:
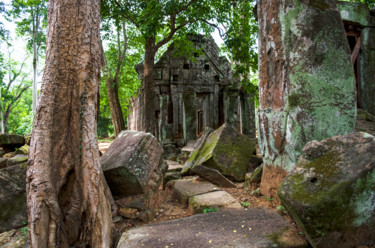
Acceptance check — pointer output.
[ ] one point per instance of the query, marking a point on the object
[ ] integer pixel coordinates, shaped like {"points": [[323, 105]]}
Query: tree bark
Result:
{"points": [[66, 199], [114, 104], [149, 118]]}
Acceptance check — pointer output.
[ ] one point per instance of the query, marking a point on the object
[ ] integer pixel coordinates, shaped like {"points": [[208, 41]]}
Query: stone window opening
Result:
{"points": [[186, 66], [175, 78], [217, 78], [207, 67]]}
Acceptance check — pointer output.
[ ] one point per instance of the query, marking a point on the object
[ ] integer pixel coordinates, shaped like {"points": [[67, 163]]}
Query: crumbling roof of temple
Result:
{"points": [[209, 48]]}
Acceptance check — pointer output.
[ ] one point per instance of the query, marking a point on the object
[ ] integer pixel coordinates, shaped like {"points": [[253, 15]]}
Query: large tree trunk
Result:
{"points": [[114, 104], [66, 199], [149, 118]]}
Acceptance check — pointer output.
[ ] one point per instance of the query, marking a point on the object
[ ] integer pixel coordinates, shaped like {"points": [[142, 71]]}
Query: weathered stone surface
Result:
{"points": [[213, 175], [206, 133], [186, 188], [216, 200], [225, 150], [133, 164], [3, 162], [365, 122], [331, 191], [367, 69], [13, 209], [255, 228], [11, 140], [171, 175], [173, 166], [306, 79], [14, 239], [354, 12], [18, 159]]}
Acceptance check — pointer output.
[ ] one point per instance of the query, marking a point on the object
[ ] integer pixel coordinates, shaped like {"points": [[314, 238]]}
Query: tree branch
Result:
{"points": [[124, 13], [215, 26]]}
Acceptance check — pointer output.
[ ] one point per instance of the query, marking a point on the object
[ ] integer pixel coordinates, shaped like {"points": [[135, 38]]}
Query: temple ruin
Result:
{"points": [[195, 93]]}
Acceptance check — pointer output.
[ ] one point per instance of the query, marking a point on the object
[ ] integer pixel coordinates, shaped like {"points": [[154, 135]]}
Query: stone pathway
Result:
{"points": [[255, 228], [201, 196]]}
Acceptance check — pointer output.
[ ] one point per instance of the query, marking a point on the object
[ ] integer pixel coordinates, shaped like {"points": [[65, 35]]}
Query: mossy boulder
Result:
{"points": [[331, 191], [133, 164], [225, 150], [11, 140], [13, 209], [23, 150]]}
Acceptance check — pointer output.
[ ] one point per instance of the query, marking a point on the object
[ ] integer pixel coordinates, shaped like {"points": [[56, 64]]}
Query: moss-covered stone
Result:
{"points": [[133, 164], [23, 150], [331, 191], [13, 209], [225, 150], [354, 12], [307, 84]]}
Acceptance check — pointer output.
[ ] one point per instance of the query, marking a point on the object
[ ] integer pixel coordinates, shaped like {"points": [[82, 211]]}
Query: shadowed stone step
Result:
{"points": [[186, 188]]}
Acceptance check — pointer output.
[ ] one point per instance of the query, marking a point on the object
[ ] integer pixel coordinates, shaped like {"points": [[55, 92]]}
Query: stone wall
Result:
{"points": [[307, 86]]}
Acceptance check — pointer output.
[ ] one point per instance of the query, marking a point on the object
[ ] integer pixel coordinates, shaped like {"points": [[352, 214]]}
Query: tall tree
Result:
{"points": [[158, 21], [112, 77], [33, 16], [65, 184], [11, 90]]}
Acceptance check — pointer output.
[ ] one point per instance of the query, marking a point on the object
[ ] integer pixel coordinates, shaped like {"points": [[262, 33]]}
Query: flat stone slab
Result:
{"points": [[186, 188], [11, 139], [173, 166], [213, 200], [255, 228]]}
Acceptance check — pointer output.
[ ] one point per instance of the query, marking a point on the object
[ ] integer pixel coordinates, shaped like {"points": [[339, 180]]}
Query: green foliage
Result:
{"points": [[210, 210], [245, 204], [281, 209], [268, 199], [30, 17], [15, 105], [124, 48], [256, 192], [24, 230], [369, 3], [3, 32]]}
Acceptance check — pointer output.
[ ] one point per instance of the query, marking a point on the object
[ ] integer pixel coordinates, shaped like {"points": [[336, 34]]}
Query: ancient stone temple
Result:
{"points": [[194, 94], [359, 24]]}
